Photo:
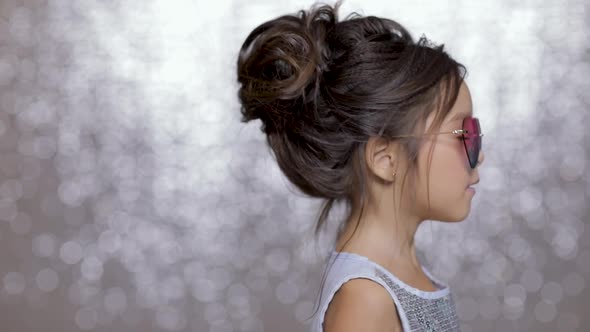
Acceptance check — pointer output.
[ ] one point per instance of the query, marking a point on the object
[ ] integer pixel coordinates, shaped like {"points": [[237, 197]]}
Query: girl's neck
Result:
{"points": [[381, 240]]}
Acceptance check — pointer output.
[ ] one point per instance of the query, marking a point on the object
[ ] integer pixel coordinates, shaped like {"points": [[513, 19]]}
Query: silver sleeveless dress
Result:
{"points": [[419, 311]]}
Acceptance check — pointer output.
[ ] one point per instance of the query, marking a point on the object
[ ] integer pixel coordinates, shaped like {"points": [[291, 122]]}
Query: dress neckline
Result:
{"points": [[443, 288]]}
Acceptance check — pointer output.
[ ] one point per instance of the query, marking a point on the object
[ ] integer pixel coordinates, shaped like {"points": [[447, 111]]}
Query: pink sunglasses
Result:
{"points": [[471, 136]]}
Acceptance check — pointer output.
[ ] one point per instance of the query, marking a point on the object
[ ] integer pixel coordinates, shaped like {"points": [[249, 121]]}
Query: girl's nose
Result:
{"points": [[480, 158]]}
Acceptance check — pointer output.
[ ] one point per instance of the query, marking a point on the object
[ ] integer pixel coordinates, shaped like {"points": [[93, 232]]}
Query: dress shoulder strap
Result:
{"points": [[344, 267]]}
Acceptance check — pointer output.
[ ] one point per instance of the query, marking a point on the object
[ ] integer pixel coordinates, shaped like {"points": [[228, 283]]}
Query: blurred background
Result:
{"points": [[133, 199]]}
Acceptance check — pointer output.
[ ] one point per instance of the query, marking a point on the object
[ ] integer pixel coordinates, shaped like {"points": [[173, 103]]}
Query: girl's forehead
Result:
{"points": [[462, 107], [463, 101], [459, 111]]}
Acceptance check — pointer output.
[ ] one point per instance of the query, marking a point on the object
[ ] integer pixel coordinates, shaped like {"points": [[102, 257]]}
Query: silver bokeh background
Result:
{"points": [[132, 198]]}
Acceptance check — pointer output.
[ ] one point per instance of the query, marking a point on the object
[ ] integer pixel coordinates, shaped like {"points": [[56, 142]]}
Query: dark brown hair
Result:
{"points": [[323, 87]]}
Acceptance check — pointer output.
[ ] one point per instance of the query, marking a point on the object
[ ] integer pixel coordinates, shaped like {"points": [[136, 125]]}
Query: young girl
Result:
{"points": [[357, 112]]}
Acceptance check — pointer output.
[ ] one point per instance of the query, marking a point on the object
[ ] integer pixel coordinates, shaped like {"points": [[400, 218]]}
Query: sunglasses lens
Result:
{"points": [[472, 139]]}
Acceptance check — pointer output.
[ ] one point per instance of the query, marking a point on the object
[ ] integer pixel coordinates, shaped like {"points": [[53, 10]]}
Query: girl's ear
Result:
{"points": [[381, 157]]}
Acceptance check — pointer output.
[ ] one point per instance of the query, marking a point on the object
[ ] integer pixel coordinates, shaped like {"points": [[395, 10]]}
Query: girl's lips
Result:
{"points": [[471, 189]]}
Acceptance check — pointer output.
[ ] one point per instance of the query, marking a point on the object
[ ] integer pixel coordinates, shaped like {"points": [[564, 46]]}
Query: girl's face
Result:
{"points": [[450, 173]]}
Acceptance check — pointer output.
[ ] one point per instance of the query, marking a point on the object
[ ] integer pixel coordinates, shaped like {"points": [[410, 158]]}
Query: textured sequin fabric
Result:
{"points": [[425, 314], [419, 311]]}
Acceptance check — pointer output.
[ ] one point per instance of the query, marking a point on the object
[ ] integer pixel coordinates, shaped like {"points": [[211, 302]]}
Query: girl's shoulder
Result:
{"points": [[361, 304], [350, 275]]}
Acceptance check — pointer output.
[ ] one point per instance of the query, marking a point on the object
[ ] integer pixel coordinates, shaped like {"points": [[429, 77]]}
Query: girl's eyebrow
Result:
{"points": [[461, 115]]}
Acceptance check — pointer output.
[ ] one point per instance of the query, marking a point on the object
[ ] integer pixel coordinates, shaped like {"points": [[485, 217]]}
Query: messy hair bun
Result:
{"points": [[280, 67], [322, 87]]}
